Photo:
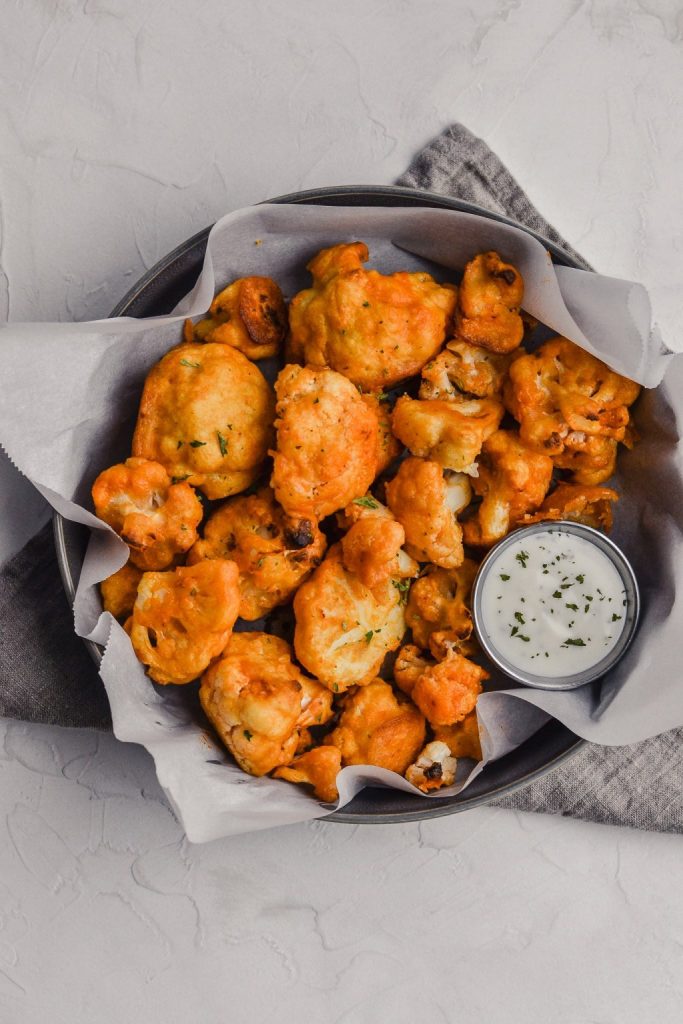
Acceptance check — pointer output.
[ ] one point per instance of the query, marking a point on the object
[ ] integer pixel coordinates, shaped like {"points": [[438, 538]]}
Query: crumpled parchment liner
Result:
{"points": [[69, 400]]}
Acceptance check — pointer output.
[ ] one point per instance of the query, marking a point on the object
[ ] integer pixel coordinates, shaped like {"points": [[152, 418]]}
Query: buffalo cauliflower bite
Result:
{"points": [[182, 620], [374, 328], [260, 703], [326, 452], [375, 728], [274, 552], [318, 768], [489, 300], [343, 628], [444, 691], [591, 506], [513, 480], [439, 603], [465, 367], [250, 314], [120, 590], [156, 518], [371, 550], [448, 431], [206, 415], [426, 505], [434, 767], [388, 447], [463, 739], [590, 460]]}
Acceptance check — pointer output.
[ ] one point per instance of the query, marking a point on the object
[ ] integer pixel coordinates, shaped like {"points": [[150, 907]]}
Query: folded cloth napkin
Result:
{"points": [[47, 676]]}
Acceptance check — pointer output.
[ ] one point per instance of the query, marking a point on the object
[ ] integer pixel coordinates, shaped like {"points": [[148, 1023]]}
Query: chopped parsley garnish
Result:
{"points": [[197, 444], [574, 642], [248, 734], [186, 362], [615, 617], [572, 607], [222, 443], [366, 502], [520, 618], [368, 636], [522, 557], [504, 576]]}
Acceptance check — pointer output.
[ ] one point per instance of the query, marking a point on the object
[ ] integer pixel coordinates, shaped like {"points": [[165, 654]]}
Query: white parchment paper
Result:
{"points": [[69, 399]]}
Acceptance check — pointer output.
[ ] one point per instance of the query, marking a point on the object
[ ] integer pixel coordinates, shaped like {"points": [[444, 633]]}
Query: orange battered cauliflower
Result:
{"points": [[591, 506], [489, 300], [444, 691], [434, 767], [318, 768], [439, 603], [448, 431], [120, 590], [388, 447], [465, 367], [426, 505], [250, 314], [463, 738]]}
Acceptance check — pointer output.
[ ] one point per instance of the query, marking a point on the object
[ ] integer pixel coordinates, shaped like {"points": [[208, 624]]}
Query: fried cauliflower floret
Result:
{"points": [[388, 447], [434, 767], [426, 505], [571, 406], [120, 590], [463, 738], [157, 519], [450, 432], [274, 552], [318, 768], [513, 480], [326, 451], [445, 691], [439, 602], [465, 367], [374, 328], [344, 629], [376, 728], [370, 549], [259, 702], [591, 506], [250, 314], [182, 620], [489, 300], [206, 415]]}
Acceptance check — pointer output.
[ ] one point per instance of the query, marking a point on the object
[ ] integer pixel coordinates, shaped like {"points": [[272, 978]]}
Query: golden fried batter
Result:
{"points": [[591, 506], [462, 739], [450, 432], [120, 590], [326, 442], [376, 329], [426, 505], [590, 460], [444, 691], [376, 728], [513, 480], [371, 548], [206, 414], [466, 367], [439, 603], [250, 314], [259, 702], [318, 768], [157, 519], [388, 447], [489, 300], [182, 620], [433, 768], [274, 552], [344, 629]]}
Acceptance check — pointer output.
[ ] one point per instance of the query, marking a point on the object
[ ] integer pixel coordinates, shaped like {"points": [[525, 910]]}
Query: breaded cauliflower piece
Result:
{"points": [[326, 451], [120, 590], [371, 548], [343, 628], [318, 768], [260, 703], [274, 552], [450, 432], [466, 367], [590, 460], [250, 314], [374, 328], [157, 519], [206, 415], [513, 480], [439, 602], [376, 728], [388, 447], [489, 300], [444, 691], [591, 506], [426, 505], [463, 739], [182, 620], [433, 768]]}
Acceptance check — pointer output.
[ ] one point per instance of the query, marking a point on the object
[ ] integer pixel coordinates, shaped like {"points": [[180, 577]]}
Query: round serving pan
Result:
{"points": [[157, 293]]}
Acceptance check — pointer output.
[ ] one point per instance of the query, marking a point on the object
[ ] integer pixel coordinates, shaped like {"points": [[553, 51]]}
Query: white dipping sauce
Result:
{"points": [[552, 604]]}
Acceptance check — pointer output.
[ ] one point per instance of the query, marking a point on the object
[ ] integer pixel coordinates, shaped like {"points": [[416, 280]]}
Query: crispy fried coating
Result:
{"points": [[591, 506], [590, 460], [463, 738], [273, 551], [206, 415], [376, 728], [388, 447], [120, 590], [450, 432], [439, 602], [426, 505], [343, 628], [374, 328], [370, 549], [182, 620], [259, 702], [326, 451], [318, 768], [445, 691], [513, 480], [489, 300], [250, 314], [434, 767], [157, 519], [466, 367]]}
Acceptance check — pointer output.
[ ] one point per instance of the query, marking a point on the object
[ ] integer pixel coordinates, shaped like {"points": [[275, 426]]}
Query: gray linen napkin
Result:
{"points": [[47, 676]]}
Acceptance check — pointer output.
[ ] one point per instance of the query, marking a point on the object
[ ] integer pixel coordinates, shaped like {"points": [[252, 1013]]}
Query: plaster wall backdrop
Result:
{"points": [[124, 128]]}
